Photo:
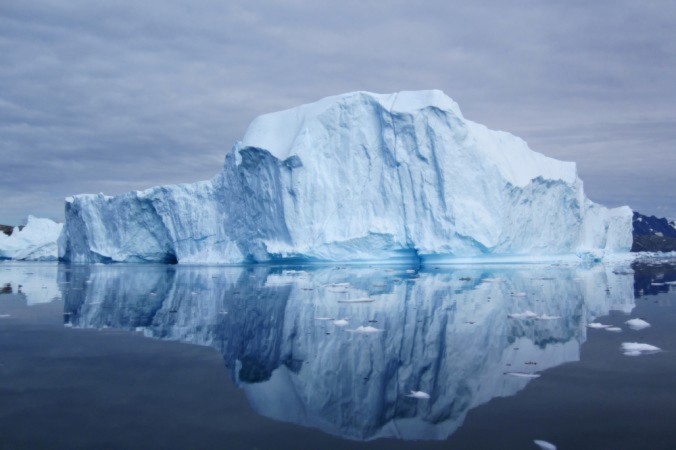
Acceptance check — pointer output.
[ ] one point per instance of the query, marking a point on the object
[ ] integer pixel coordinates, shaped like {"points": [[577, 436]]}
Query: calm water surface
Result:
{"points": [[158, 356]]}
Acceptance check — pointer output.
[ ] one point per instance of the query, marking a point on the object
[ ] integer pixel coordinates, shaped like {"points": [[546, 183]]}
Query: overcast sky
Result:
{"points": [[124, 95]]}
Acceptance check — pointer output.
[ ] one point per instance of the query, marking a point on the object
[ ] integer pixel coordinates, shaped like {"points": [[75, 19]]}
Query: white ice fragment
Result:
{"points": [[340, 323], [323, 318], [614, 329], [548, 317], [636, 348], [420, 395], [491, 280], [524, 315], [358, 300], [366, 330], [637, 324], [5, 316], [523, 374], [598, 326], [544, 445], [519, 294]]}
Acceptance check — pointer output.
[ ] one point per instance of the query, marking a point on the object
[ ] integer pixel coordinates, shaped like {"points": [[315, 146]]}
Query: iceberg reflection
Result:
{"points": [[291, 337]]}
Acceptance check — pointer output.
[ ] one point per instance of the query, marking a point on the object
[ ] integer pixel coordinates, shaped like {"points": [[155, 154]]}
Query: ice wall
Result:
{"points": [[359, 176]]}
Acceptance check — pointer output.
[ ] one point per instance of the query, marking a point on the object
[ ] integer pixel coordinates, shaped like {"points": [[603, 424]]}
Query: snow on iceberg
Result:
{"points": [[358, 176], [37, 241]]}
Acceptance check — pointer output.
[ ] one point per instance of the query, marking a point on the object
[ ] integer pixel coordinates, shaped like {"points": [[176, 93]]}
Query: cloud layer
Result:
{"points": [[116, 96]]}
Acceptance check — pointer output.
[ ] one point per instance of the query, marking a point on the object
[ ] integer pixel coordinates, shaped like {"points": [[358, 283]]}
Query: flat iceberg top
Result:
{"points": [[287, 132]]}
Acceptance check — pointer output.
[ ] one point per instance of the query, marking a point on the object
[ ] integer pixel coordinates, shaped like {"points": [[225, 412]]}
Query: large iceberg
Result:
{"points": [[37, 241], [358, 176]]}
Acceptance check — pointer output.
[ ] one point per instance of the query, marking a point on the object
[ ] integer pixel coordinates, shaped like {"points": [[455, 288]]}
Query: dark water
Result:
{"points": [[155, 356]]}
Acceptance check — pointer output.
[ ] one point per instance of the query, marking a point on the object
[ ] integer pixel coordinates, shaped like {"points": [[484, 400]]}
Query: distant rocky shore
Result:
{"points": [[7, 229]]}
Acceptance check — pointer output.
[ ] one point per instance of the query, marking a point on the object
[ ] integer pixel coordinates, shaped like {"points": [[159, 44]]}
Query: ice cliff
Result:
{"points": [[359, 176], [37, 241]]}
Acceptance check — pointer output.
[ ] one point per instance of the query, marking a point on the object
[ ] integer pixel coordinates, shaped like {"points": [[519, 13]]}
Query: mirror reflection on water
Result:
{"points": [[357, 352]]}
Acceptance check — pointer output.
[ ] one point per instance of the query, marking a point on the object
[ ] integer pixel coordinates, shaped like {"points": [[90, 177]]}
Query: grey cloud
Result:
{"points": [[117, 96]]}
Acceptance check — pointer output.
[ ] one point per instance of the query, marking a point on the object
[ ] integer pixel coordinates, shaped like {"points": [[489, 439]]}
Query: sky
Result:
{"points": [[113, 96]]}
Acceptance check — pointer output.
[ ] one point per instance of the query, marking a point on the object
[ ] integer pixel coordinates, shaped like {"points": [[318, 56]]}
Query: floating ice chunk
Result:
{"points": [[420, 395], [523, 315], [637, 324], [657, 284], [358, 300], [4, 316], [491, 280], [340, 323], [544, 445], [366, 330], [323, 318], [519, 294], [410, 271], [548, 317], [637, 348], [614, 329], [670, 282], [339, 290], [523, 374], [598, 326]]}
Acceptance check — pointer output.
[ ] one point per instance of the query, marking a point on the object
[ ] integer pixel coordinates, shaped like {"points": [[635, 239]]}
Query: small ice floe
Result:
{"points": [[491, 280], [637, 348], [152, 293], [340, 323], [323, 318], [5, 316], [339, 289], [547, 317], [420, 395], [518, 294], [410, 271], [670, 282], [531, 315], [88, 281], [366, 330], [637, 324], [523, 315], [358, 300], [544, 445], [614, 329], [657, 284], [68, 325], [222, 312], [598, 326], [523, 374]]}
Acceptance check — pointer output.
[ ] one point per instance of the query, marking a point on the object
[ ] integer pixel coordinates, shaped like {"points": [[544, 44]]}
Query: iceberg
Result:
{"points": [[357, 177], [37, 241]]}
